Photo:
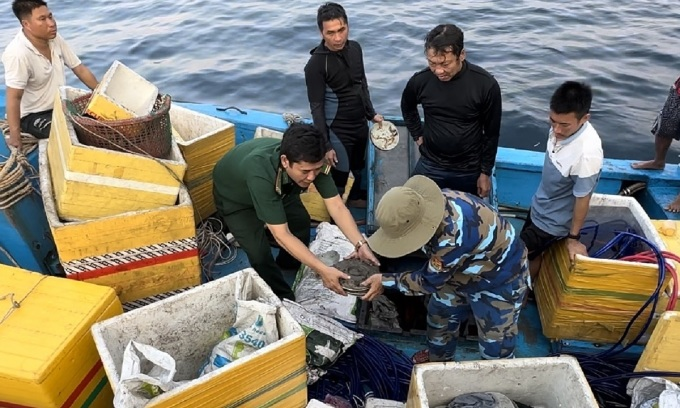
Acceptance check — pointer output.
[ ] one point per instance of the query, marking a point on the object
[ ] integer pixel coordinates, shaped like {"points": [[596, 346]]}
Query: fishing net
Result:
{"points": [[148, 135]]}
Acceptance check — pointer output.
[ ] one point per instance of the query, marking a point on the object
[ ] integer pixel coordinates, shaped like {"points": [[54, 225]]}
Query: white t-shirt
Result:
{"points": [[571, 169], [26, 68]]}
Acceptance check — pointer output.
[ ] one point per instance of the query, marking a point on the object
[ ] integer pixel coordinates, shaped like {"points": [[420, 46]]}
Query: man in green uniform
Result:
{"points": [[258, 184]]}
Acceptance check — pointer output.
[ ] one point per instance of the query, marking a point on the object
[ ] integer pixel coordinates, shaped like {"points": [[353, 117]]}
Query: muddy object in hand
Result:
{"points": [[358, 271]]}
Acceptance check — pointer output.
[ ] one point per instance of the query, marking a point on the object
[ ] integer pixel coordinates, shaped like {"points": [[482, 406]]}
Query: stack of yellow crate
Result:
{"points": [[139, 253], [91, 182], [117, 219], [594, 299], [203, 140], [661, 352], [48, 358]]}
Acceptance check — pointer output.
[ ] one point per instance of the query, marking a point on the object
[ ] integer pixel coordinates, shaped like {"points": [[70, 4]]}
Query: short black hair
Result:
{"points": [[445, 38], [303, 142], [572, 96], [330, 11], [24, 8]]}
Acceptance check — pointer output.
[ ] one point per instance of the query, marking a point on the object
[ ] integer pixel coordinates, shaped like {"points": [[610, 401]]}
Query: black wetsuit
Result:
{"points": [[461, 128], [341, 106]]}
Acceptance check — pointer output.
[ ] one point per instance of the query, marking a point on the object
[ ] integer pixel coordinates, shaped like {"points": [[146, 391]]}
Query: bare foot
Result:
{"points": [[648, 165], [674, 207]]}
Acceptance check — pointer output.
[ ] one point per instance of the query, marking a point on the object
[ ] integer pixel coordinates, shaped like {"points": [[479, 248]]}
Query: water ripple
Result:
{"points": [[252, 53]]}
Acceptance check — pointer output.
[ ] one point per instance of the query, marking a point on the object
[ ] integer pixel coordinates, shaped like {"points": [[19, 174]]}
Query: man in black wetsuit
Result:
{"points": [[462, 106], [339, 100]]}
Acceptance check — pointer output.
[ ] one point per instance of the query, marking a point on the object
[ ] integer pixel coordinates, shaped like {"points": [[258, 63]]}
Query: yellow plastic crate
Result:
{"points": [[48, 358], [661, 352], [188, 325], [121, 94], [91, 182], [203, 140], [669, 231], [595, 299], [139, 253]]}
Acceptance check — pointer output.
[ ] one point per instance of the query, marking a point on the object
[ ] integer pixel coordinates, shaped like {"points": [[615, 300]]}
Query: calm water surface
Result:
{"points": [[252, 53]]}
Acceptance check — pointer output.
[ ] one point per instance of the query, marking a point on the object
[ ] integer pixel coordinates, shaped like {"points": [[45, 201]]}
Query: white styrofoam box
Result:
{"points": [[127, 89], [265, 132], [555, 382], [188, 325], [383, 403], [606, 207]]}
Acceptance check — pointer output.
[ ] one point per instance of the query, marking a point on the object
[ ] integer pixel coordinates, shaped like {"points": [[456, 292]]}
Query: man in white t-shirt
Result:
{"points": [[571, 170], [34, 64]]}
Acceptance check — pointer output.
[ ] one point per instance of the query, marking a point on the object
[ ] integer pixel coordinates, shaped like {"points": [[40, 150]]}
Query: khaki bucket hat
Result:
{"points": [[407, 217]]}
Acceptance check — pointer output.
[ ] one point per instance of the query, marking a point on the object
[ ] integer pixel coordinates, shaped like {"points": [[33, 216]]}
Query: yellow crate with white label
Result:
{"points": [[139, 253], [203, 140], [188, 325], [91, 182], [121, 94], [48, 358]]}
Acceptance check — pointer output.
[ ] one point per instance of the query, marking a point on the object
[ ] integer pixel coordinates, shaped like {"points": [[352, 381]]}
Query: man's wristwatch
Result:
{"points": [[572, 236]]}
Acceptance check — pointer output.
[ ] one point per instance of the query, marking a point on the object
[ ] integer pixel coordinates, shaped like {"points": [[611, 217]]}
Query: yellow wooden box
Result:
{"points": [[661, 352], [669, 231], [595, 299], [91, 182], [121, 94], [203, 140], [48, 358], [188, 325], [140, 253]]}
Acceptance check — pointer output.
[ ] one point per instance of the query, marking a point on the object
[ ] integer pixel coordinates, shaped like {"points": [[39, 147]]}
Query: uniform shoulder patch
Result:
{"points": [[436, 263]]}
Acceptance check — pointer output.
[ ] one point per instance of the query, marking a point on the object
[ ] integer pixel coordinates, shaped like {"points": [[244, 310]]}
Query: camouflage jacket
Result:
{"points": [[474, 244]]}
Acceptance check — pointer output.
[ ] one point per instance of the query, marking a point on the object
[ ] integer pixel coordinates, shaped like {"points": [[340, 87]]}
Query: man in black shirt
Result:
{"points": [[338, 97], [462, 106]]}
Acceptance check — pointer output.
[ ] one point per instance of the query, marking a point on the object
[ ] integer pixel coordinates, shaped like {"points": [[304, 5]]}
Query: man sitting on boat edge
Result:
{"points": [[34, 70], [477, 262], [258, 183]]}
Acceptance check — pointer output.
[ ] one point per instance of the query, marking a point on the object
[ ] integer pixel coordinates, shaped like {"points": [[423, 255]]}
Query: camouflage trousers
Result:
{"points": [[496, 312]]}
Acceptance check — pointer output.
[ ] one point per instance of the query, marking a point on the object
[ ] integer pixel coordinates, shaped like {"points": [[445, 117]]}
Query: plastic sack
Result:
{"points": [[255, 327], [652, 392], [330, 245], [146, 372], [326, 339]]}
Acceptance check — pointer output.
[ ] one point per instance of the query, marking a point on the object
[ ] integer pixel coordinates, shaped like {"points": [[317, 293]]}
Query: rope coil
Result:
{"points": [[16, 172]]}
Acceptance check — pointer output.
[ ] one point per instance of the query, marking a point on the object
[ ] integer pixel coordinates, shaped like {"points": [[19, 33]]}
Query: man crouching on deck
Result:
{"points": [[258, 183], [477, 261]]}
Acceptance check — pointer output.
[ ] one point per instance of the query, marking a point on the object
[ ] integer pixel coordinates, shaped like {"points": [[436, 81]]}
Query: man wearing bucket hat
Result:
{"points": [[477, 262]]}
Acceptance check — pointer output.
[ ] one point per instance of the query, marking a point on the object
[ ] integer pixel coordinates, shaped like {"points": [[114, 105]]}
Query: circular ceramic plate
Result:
{"points": [[385, 137]]}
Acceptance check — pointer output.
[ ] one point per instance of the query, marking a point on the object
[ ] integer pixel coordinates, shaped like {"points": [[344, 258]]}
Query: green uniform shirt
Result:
{"points": [[250, 176]]}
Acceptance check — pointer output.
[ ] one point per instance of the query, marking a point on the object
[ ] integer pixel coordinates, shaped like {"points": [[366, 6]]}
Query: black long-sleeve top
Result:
{"points": [[337, 87], [462, 117]]}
